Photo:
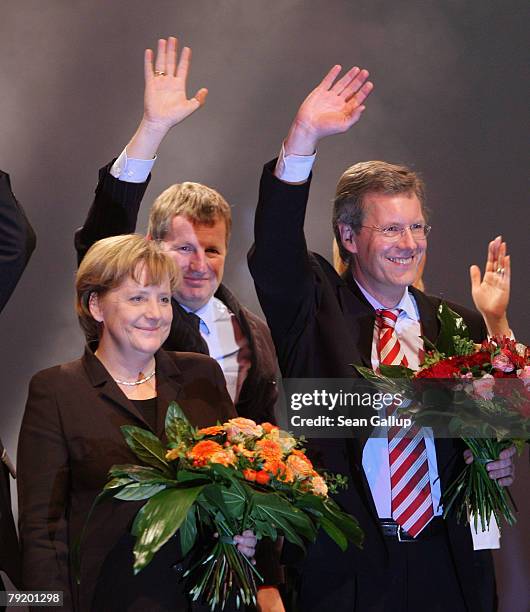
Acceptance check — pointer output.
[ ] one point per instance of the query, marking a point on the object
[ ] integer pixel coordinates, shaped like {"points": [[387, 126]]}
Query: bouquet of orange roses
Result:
{"points": [[224, 479]]}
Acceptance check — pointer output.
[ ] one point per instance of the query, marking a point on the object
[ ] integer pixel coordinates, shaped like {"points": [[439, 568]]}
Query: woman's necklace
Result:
{"points": [[134, 383]]}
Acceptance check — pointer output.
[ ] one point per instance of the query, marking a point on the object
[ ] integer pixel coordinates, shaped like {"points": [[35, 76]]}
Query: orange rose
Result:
{"points": [[241, 450], [203, 450], [319, 486], [269, 450], [262, 477], [268, 427], [172, 454], [249, 475], [239, 428], [289, 475], [211, 431], [301, 466], [302, 455], [286, 442], [279, 470], [225, 457]]}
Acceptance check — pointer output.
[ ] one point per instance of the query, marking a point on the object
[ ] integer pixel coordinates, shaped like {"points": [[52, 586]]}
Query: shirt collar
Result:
{"points": [[214, 310], [407, 303]]}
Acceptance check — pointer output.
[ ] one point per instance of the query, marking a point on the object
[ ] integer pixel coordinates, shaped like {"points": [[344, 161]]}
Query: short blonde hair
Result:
{"points": [[109, 262], [199, 203]]}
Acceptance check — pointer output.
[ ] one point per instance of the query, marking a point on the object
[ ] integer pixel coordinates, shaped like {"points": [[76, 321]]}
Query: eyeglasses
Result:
{"points": [[393, 232]]}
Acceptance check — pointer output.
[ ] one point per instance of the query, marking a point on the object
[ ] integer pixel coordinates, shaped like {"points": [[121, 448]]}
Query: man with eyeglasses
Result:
{"points": [[323, 323]]}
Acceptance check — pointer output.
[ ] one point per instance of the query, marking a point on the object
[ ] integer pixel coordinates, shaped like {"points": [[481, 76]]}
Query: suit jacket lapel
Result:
{"points": [[430, 326], [167, 388], [108, 389], [359, 315]]}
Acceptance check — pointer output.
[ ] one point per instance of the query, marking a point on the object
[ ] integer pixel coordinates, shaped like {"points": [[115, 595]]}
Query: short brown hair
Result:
{"points": [[370, 177], [200, 204], [109, 262]]}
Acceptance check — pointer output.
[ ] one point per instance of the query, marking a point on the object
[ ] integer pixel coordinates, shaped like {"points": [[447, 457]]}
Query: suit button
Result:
{"points": [[178, 568]]}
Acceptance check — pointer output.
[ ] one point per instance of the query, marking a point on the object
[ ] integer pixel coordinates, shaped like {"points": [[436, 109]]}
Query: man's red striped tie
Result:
{"points": [[409, 471]]}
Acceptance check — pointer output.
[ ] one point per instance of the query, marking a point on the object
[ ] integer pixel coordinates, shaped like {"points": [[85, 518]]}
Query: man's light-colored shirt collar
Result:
{"points": [[407, 304], [212, 312]]}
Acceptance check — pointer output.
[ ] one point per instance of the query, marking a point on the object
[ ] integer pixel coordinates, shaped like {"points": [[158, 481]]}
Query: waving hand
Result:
{"points": [[333, 107]]}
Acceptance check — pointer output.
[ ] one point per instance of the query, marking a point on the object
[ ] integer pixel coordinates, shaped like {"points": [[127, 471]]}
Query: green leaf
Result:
{"points": [[327, 512], [368, 373], [265, 529], [177, 425], [147, 447], [344, 521], [139, 490], [235, 499], [451, 325], [138, 473], [158, 520], [188, 532], [117, 483], [191, 475], [284, 516], [396, 371], [388, 382], [334, 533], [222, 471], [213, 495]]}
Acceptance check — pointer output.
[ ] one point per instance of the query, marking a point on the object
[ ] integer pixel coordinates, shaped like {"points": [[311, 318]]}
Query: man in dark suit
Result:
{"points": [[17, 242], [192, 222], [322, 323]]}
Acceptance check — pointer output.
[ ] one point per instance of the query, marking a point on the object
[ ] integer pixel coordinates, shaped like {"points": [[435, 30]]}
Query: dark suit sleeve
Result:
{"points": [[114, 211], [43, 491], [279, 261], [17, 240]]}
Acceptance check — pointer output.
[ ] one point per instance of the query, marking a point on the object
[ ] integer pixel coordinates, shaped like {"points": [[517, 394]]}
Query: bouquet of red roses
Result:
{"points": [[480, 393]]}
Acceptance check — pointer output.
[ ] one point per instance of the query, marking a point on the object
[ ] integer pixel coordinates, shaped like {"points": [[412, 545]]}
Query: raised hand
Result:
{"points": [[491, 294], [331, 108], [165, 99]]}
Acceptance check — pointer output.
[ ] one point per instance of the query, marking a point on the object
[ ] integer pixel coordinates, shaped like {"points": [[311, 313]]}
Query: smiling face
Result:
{"points": [[136, 318], [199, 250], [384, 267]]}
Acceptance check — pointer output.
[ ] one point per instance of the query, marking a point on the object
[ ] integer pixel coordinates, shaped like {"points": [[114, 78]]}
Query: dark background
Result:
{"points": [[451, 100]]}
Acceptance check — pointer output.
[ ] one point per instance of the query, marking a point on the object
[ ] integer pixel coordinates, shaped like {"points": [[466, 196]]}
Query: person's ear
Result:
{"points": [[347, 237], [94, 307]]}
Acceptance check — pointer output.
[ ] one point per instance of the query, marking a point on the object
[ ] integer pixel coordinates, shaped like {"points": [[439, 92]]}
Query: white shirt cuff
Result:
{"points": [[131, 170], [488, 539], [294, 168]]}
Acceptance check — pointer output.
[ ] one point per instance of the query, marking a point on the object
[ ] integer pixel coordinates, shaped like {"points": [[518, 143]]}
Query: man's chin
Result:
{"points": [[192, 301]]}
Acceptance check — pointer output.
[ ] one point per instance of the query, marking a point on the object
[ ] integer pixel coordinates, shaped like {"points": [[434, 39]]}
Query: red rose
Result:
{"points": [[442, 369]]}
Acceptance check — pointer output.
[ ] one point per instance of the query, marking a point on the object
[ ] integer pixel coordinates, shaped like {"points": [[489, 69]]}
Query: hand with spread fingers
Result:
{"points": [[502, 470], [491, 294], [333, 107], [165, 99]]}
